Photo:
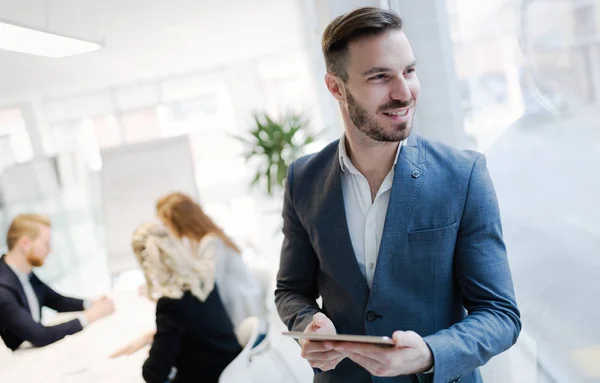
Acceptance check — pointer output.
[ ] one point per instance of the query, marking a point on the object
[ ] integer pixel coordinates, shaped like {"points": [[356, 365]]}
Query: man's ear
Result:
{"points": [[24, 243], [335, 86]]}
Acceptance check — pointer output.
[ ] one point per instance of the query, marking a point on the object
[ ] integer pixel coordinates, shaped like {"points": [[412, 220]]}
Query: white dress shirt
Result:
{"points": [[365, 216]]}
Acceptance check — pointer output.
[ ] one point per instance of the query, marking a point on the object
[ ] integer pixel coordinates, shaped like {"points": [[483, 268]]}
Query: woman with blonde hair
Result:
{"points": [[186, 220], [240, 293], [193, 331]]}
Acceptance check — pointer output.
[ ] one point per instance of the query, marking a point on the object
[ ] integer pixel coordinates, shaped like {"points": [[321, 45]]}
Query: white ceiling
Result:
{"points": [[142, 39]]}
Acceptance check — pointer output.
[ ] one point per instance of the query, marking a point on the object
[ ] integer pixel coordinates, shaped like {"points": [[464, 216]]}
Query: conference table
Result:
{"points": [[84, 357]]}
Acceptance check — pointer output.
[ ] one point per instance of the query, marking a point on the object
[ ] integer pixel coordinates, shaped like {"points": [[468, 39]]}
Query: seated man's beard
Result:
{"points": [[34, 260]]}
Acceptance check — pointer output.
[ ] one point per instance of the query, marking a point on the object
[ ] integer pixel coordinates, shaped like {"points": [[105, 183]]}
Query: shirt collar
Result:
{"points": [[346, 163], [21, 275]]}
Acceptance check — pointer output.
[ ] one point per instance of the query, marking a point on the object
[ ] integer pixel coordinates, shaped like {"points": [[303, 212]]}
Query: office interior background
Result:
{"points": [[91, 139]]}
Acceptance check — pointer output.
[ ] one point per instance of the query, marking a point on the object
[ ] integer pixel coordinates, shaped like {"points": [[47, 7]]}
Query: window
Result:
{"points": [[106, 131], [15, 144], [140, 125]]}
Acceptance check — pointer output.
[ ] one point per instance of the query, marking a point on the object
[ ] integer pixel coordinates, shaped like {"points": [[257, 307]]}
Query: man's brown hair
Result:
{"points": [[349, 27], [25, 225]]}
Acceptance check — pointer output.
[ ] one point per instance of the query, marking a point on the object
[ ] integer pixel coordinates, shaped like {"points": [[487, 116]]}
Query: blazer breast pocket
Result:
{"points": [[433, 234]]}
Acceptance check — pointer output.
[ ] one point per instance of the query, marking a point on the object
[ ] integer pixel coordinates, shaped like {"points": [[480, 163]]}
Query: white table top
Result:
{"points": [[83, 357]]}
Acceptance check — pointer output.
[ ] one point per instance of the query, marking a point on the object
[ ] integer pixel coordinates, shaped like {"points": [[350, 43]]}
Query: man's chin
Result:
{"points": [[36, 262], [401, 132]]}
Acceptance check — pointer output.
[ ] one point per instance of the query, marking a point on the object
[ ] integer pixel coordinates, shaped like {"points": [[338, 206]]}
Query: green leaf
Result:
{"points": [[256, 178], [275, 143]]}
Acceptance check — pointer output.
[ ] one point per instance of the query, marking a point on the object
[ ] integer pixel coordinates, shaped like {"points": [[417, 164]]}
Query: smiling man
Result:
{"points": [[399, 235]]}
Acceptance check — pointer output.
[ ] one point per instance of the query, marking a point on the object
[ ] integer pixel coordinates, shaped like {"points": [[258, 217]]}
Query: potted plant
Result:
{"points": [[274, 144]]}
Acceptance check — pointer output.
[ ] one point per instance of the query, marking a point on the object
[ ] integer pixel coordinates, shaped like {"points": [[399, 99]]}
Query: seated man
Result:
{"points": [[22, 294]]}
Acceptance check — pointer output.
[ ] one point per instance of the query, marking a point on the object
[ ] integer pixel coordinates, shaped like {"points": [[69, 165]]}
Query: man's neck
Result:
{"points": [[370, 157], [18, 261]]}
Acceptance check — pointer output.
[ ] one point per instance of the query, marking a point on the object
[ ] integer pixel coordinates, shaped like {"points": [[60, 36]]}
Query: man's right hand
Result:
{"points": [[100, 308], [318, 355]]}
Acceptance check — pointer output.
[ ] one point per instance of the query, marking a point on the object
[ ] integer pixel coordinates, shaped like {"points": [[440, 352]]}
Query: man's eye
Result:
{"points": [[378, 77]]}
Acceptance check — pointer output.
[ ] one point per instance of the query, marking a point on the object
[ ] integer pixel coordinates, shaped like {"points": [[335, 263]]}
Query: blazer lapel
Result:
{"points": [[11, 281], [334, 210], [409, 174]]}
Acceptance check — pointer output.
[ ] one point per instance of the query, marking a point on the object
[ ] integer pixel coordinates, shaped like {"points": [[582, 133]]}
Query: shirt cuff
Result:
{"points": [[87, 304], [82, 320]]}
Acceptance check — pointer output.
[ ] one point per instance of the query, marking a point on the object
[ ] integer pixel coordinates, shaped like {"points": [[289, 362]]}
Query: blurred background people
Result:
{"points": [[193, 331], [23, 294], [238, 290]]}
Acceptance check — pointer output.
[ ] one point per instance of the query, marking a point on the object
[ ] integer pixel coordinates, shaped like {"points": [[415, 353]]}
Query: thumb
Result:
{"points": [[321, 322], [318, 321], [406, 339]]}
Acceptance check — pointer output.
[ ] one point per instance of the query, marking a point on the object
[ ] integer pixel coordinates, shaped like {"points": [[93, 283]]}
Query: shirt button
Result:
{"points": [[371, 265]]}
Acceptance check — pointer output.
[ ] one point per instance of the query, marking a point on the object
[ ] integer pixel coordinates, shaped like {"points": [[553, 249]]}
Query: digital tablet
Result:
{"points": [[376, 340]]}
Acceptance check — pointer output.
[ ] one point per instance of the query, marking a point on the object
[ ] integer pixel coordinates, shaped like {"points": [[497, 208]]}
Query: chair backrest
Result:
{"points": [[237, 370]]}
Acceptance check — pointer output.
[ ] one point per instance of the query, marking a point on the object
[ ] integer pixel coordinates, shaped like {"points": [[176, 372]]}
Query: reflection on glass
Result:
{"points": [[530, 81]]}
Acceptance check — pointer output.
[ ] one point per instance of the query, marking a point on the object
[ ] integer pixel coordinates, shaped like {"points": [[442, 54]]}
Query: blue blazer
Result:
{"points": [[17, 324], [442, 269]]}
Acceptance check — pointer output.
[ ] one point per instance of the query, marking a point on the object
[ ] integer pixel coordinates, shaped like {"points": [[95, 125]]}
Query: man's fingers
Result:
{"points": [[367, 359], [309, 347], [326, 356], [375, 352], [373, 366], [326, 366]]}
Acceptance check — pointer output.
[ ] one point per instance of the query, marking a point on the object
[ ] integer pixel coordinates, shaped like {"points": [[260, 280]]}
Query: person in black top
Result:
{"points": [[23, 294], [194, 333]]}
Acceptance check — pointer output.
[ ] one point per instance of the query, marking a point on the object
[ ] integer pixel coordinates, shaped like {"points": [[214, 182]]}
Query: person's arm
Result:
{"points": [[18, 320], [166, 343], [297, 290], [483, 274], [135, 345], [57, 301]]}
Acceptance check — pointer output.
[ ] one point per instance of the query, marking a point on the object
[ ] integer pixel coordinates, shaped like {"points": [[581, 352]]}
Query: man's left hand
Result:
{"points": [[409, 355]]}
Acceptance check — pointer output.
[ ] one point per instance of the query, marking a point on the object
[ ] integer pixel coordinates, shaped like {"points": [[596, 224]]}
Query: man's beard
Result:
{"points": [[369, 125], [34, 260]]}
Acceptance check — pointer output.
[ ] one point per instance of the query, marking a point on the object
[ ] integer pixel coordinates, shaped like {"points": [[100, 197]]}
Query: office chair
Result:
{"points": [[238, 370], [266, 280]]}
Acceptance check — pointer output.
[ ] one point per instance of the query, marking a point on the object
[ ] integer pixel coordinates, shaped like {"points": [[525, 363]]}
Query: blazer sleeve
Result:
{"points": [[297, 291], [481, 267], [18, 320], [166, 343], [55, 300]]}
